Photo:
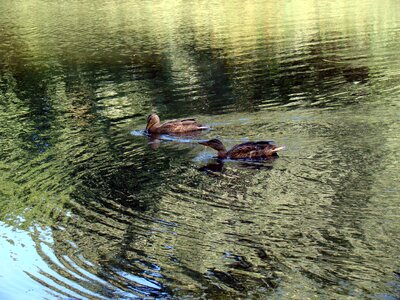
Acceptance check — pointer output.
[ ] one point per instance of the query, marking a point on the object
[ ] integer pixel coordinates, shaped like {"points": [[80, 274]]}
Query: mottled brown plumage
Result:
{"points": [[174, 126], [249, 150]]}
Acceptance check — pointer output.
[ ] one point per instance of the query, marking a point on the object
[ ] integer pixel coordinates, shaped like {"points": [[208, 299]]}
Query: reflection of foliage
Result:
{"points": [[25, 187], [190, 64], [67, 160]]}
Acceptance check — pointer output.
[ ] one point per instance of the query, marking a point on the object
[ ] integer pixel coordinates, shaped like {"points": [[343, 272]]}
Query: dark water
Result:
{"points": [[92, 209]]}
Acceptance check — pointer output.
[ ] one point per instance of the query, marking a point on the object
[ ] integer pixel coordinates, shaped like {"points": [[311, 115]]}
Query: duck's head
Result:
{"points": [[215, 144], [152, 119]]}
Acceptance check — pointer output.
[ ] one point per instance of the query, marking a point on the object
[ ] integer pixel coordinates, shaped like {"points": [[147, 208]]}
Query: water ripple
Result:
{"points": [[92, 208]]}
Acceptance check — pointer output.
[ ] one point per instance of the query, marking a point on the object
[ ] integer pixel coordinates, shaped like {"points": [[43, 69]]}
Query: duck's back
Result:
{"points": [[179, 126], [250, 150]]}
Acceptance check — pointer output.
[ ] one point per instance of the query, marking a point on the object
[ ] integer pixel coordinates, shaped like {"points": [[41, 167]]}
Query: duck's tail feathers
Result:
{"points": [[278, 149]]}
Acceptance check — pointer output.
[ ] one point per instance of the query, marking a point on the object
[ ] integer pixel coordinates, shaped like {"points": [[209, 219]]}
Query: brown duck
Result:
{"points": [[174, 126], [249, 150]]}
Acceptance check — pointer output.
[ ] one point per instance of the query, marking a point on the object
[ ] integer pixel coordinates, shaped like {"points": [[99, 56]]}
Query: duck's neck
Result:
{"points": [[153, 127], [222, 153]]}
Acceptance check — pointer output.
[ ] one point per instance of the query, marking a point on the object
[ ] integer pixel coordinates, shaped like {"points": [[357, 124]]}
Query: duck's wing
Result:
{"points": [[250, 149], [242, 150], [250, 146], [179, 121], [181, 126]]}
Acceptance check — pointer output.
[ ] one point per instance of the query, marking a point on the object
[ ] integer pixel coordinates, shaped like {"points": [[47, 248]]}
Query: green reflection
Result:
{"points": [[319, 76]]}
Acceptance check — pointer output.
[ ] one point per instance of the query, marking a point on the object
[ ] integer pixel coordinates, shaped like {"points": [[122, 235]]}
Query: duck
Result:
{"points": [[175, 126], [248, 150]]}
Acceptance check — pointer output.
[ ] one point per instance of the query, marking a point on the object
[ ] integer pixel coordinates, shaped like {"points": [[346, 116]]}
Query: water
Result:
{"points": [[90, 208]]}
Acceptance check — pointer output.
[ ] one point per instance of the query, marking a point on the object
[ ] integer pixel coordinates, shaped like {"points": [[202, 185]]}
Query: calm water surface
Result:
{"points": [[90, 208]]}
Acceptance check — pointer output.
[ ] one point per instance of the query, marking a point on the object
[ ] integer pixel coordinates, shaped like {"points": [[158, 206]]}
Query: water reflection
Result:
{"points": [[90, 210], [154, 140], [217, 165], [213, 167]]}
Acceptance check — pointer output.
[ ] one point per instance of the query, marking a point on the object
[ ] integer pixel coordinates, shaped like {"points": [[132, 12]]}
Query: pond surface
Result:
{"points": [[90, 208]]}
